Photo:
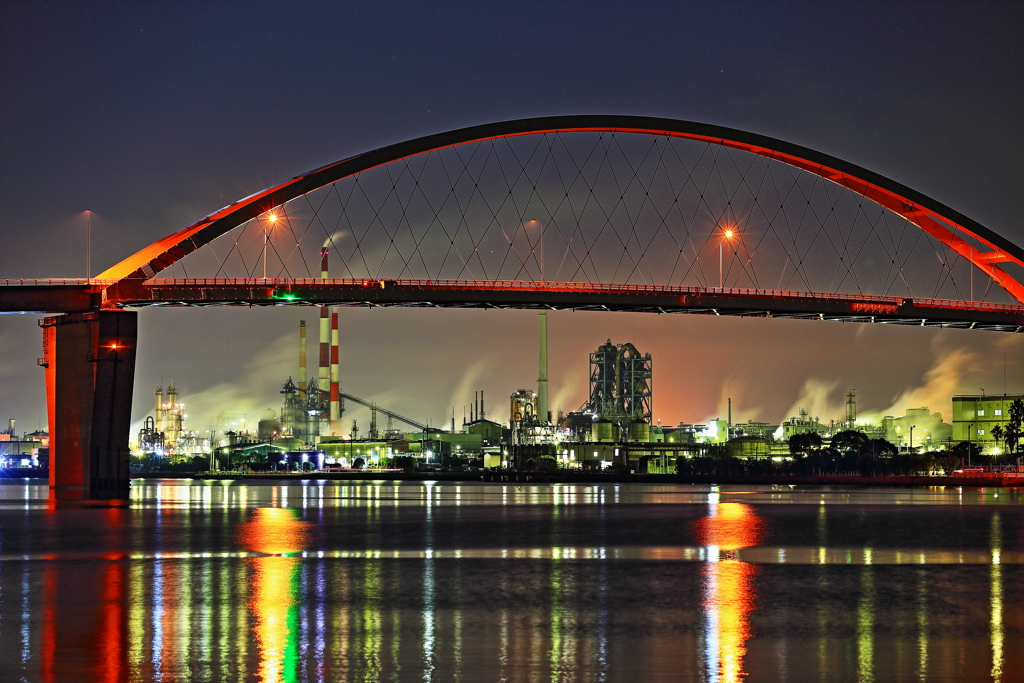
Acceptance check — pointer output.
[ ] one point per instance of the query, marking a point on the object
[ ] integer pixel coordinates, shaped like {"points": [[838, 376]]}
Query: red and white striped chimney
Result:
{"points": [[335, 388]]}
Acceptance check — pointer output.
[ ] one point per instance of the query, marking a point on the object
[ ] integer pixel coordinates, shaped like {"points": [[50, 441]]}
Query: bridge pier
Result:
{"points": [[90, 373]]}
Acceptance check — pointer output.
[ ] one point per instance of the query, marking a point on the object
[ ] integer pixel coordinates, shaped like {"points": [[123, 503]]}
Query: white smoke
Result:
{"points": [[816, 397], [943, 379], [251, 391]]}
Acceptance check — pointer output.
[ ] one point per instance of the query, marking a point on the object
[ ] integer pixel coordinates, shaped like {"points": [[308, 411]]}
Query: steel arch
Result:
{"points": [[935, 218]]}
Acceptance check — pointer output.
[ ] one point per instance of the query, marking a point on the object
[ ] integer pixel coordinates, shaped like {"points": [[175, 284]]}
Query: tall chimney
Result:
{"points": [[335, 390], [158, 418], [302, 358], [730, 419], [542, 379], [324, 376], [483, 413]]}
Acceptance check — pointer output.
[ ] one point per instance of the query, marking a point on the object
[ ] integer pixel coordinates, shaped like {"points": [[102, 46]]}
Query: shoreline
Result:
{"points": [[993, 480]]}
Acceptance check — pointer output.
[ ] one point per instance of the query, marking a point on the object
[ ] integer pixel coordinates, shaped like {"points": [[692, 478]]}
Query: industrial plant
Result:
{"points": [[614, 428]]}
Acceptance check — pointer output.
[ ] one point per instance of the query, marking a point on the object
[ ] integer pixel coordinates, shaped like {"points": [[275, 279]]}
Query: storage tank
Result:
{"points": [[604, 430], [639, 432]]}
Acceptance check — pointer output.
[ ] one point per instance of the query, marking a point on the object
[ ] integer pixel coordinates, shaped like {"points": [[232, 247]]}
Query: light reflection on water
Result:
{"points": [[324, 580]]}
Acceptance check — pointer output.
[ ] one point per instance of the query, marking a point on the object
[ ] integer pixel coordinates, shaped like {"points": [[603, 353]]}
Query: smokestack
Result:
{"points": [[158, 418], [324, 375], [730, 418], [483, 413], [302, 358], [335, 391], [542, 379]]}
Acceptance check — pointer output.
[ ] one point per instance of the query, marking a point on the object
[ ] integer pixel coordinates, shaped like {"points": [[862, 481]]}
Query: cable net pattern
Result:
{"points": [[613, 208]]}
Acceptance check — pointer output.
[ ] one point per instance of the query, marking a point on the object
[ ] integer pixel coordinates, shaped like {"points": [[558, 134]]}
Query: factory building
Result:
{"points": [[974, 418], [918, 428], [620, 384], [164, 434]]}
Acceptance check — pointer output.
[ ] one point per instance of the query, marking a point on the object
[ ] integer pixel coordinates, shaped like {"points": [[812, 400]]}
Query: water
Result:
{"points": [[367, 581]]}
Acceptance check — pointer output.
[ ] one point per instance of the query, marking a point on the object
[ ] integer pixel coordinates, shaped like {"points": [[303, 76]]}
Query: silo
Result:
{"points": [[639, 432], [604, 430]]}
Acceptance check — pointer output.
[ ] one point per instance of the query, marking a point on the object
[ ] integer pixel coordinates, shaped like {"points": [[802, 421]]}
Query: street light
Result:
{"points": [[272, 218], [727, 235], [88, 243]]}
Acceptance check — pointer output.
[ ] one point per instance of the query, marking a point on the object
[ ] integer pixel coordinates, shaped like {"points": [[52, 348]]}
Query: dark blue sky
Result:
{"points": [[155, 114]]}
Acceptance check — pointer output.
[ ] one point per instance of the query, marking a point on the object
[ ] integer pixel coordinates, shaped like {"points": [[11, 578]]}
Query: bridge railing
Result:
{"points": [[55, 281], [529, 285], [543, 286]]}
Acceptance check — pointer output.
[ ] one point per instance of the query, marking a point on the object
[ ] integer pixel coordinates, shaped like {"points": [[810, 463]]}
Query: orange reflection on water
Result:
{"points": [[110, 666], [729, 598], [276, 532]]}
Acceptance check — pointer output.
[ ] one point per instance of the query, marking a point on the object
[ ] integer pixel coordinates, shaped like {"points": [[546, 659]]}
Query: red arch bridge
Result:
{"points": [[616, 213]]}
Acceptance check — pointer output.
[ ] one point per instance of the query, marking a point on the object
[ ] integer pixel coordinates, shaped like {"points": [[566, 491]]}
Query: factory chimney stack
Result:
{"points": [[159, 415], [335, 390], [483, 413], [542, 379], [302, 359], [324, 376]]}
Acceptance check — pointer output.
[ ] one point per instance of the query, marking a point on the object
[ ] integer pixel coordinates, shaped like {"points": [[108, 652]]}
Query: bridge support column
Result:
{"points": [[90, 372]]}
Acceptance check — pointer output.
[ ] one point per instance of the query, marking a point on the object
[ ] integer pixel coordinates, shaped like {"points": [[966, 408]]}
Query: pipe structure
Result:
{"points": [[542, 378], [335, 389], [302, 359]]}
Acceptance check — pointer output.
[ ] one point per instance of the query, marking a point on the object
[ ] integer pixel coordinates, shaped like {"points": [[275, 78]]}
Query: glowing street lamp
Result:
{"points": [[272, 218], [726, 235]]}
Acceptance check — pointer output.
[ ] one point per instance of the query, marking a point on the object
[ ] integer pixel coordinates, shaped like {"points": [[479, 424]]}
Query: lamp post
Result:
{"points": [[88, 243], [969, 430], [272, 218], [727, 235]]}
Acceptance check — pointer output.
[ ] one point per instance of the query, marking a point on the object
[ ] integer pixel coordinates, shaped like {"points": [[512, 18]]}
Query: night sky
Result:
{"points": [[153, 115]]}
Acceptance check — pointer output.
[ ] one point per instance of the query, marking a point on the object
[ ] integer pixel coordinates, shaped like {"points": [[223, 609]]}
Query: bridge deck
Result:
{"points": [[79, 295]]}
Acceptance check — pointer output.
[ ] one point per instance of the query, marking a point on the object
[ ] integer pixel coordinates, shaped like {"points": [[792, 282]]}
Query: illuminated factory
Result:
{"points": [[615, 427]]}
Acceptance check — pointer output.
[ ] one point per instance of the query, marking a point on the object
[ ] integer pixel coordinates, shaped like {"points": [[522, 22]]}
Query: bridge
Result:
{"points": [[615, 213]]}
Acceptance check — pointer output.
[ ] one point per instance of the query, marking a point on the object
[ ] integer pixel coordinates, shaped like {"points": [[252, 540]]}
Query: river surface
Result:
{"points": [[392, 581]]}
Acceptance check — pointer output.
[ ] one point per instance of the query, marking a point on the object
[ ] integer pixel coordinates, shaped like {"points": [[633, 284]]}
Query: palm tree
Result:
{"points": [[999, 434]]}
